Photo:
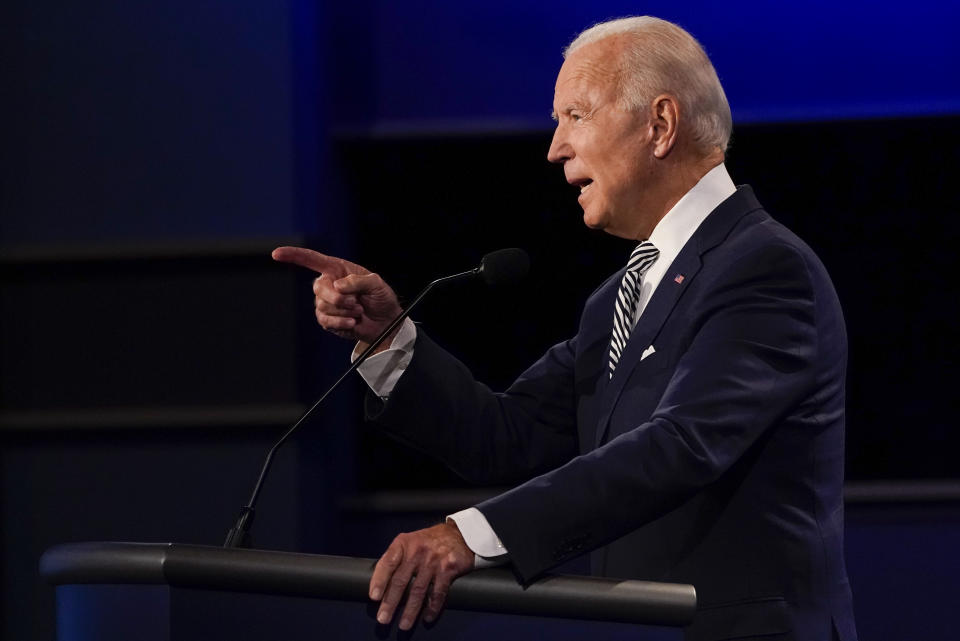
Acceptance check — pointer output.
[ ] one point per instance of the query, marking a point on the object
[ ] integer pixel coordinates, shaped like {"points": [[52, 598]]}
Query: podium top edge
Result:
{"points": [[347, 578]]}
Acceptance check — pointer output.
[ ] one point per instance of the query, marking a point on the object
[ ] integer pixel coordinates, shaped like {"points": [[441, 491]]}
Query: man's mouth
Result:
{"points": [[584, 185]]}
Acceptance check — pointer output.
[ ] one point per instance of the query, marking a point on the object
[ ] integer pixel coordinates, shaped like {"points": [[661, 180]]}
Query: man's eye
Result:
{"points": [[575, 116]]}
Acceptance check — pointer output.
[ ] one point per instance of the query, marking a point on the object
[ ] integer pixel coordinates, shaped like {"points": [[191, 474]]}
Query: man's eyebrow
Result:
{"points": [[566, 110], [553, 115]]}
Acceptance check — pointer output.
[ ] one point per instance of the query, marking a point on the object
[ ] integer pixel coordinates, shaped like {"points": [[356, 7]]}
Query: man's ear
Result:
{"points": [[664, 118]]}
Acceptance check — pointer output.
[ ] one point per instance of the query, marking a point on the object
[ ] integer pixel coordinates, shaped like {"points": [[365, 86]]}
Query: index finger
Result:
{"points": [[320, 263], [384, 570]]}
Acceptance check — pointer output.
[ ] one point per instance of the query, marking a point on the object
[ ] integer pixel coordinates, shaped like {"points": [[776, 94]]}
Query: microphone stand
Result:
{"points": [[238, 536]]}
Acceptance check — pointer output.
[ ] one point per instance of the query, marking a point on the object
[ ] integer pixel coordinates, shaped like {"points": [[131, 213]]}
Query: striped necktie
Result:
{"points": [[628, 296]]}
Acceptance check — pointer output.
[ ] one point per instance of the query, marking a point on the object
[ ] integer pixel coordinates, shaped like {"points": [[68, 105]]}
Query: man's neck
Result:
{"points": [[680, 177]]}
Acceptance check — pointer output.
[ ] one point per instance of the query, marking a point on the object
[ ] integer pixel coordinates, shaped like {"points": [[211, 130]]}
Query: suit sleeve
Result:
{"points": [[751, 361], [437, 407]]}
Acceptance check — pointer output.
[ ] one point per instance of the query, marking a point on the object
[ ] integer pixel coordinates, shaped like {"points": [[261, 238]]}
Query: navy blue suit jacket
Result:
{"points": [[715, 460]]}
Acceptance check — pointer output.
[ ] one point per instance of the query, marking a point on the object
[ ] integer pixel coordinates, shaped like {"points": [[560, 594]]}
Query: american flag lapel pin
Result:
{"points": [[678, 278]]}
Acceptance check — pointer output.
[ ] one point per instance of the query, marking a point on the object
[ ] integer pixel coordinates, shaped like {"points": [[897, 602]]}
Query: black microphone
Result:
{"points": [[504, 265], [495, 268]]}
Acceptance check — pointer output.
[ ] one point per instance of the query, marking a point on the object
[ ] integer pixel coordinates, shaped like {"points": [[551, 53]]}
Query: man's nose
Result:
{"points": [[560, 150]]}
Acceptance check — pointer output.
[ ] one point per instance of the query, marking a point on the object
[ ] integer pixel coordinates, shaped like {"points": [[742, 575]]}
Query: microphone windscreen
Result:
{"points": [[504, 265]]}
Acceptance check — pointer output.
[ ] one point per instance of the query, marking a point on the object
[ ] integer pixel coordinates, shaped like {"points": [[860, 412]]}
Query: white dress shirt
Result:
{"points": [[382, 371]]}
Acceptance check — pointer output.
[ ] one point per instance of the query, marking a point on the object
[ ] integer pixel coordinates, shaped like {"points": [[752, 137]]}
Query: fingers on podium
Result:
{"points": [[389, 581]]}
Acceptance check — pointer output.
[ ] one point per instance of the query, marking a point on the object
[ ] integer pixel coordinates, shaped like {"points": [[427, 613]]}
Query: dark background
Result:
{"points": [[152, 156]]}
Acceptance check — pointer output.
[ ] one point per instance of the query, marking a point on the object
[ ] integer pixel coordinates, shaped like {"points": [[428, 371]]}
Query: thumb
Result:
{"points": [[359, 284]]}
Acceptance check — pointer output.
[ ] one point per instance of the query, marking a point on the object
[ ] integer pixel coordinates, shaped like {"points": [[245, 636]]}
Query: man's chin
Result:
{"points": [[603, 224], [593, 221]]}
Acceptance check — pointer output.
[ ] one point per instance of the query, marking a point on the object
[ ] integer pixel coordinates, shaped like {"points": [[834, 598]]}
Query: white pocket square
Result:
{"points": [[647, 352]]}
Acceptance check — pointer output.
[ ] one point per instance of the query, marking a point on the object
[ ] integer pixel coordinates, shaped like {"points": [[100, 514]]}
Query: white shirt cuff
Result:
{"points": [[487, 549], [382, 371]]}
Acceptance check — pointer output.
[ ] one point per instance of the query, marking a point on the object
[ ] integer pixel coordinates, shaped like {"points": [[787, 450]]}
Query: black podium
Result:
{"points": [[167, 591]]}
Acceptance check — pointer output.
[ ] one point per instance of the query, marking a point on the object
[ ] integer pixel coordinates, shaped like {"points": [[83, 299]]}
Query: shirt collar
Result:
{"points": [[677, 226]]}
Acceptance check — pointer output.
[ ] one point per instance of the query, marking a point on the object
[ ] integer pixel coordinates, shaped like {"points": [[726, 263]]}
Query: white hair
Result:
{"points": [[661, 57]]}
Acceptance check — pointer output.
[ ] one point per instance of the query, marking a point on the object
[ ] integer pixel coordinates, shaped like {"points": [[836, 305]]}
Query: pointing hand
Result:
{"points": [[350, 301]]}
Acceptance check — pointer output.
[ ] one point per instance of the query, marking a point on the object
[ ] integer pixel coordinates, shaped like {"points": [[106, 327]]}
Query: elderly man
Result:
{"points": [[693, 428]]}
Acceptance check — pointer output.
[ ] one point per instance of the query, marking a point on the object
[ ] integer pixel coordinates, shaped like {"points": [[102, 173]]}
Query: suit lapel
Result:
{"points": [[655, 314], [677, 279], [599, 326]]}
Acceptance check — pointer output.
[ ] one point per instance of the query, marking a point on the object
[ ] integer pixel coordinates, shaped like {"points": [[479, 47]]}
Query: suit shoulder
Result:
{"points": [[762, 255], [760, 237]]}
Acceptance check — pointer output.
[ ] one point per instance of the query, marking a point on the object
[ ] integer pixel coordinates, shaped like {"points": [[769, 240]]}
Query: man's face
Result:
{"points": [[605, 149]]}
